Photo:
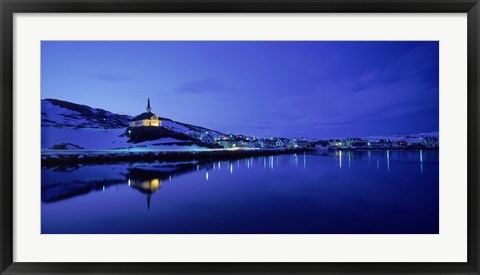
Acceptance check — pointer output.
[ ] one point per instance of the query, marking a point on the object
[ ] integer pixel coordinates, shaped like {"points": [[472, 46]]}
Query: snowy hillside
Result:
{"points": [[54, 138], [187, 129], [70, 126], [58, 113]]}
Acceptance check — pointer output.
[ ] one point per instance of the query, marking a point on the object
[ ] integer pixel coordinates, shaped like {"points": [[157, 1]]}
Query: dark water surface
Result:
{"points": [[331, 193]]}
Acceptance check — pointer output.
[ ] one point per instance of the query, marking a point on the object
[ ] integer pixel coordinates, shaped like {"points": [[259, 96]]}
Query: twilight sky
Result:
{"points": [[273, 88]]}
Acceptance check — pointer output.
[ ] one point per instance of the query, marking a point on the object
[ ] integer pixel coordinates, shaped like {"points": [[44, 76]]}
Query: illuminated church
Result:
{"points": [[146, 119]]}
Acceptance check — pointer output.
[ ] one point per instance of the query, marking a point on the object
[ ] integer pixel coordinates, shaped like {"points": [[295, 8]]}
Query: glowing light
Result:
{"points": [[421, 161], [154, 184], [206, 175], [129, 182], [388, 160], [231, 168], [103, 188], [340, 155]]}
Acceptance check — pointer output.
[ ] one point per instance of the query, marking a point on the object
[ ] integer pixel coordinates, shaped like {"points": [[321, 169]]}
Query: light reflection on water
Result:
{"points": [[297, 193], [384, 156]]}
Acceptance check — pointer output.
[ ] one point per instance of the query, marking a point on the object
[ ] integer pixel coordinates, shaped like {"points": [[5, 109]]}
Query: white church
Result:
{"points": [[146, 119]]}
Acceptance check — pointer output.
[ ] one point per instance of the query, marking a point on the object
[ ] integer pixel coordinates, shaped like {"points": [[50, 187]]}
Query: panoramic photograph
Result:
{"points": [[240, 137]]}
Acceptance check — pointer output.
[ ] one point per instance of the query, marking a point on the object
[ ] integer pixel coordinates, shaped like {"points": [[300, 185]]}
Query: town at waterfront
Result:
{"points": [[239, 137]]}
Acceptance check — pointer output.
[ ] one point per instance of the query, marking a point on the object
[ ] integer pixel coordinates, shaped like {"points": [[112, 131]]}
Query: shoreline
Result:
{"points": [[73, 159], [66, 158], [385, 149]]}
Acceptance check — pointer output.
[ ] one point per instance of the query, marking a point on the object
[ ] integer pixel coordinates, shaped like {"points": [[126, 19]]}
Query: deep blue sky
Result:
{"points": [[273, 88]]}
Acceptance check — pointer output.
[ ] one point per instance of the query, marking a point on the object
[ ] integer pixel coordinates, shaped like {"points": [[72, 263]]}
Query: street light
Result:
{"points": [[129, 141]]}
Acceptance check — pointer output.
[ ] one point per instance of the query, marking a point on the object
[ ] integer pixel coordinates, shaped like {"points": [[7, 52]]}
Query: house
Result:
{"points": [[386, 142], [146, 119], [349, 141], [381, 143], [401, 143], [355, 142], [208, 139], [256, 144], [304, 144], [279, 143], [332, 143], [431, 142], [298, 143], [242, 143], [228, 141]]}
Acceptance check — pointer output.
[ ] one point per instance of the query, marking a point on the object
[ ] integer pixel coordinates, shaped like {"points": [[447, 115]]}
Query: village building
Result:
{"points": [[381, 143], [386, 142], [298, 143], [304, 144], [349, 142], [355, 142], [430, 142], [242, 143], [335, 143], [208, 139], [255, 144], [401, 143], [146, 119], [228, 141], [279, 143], [269, 143]]}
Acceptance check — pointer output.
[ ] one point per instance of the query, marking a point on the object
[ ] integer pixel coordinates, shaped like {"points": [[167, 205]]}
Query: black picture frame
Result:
{"points": [[9, 7]]}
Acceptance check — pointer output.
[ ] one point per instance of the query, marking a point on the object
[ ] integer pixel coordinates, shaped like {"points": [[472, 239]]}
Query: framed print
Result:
{"points": [[239, 137]]}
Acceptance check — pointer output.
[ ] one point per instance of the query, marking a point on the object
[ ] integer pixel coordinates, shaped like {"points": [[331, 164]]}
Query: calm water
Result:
{"points": [[334, 193]]}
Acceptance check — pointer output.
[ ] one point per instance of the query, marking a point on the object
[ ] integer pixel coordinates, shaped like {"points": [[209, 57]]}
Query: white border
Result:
{"points": [[450, 245]]}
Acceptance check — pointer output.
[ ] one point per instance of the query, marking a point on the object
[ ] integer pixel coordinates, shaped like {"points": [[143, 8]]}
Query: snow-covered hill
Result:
{"points": [[58, 113], [66, 125], [55, 138]]}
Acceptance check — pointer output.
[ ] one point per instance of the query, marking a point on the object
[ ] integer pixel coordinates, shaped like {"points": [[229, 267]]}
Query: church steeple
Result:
{"points": [[148, 106]]}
